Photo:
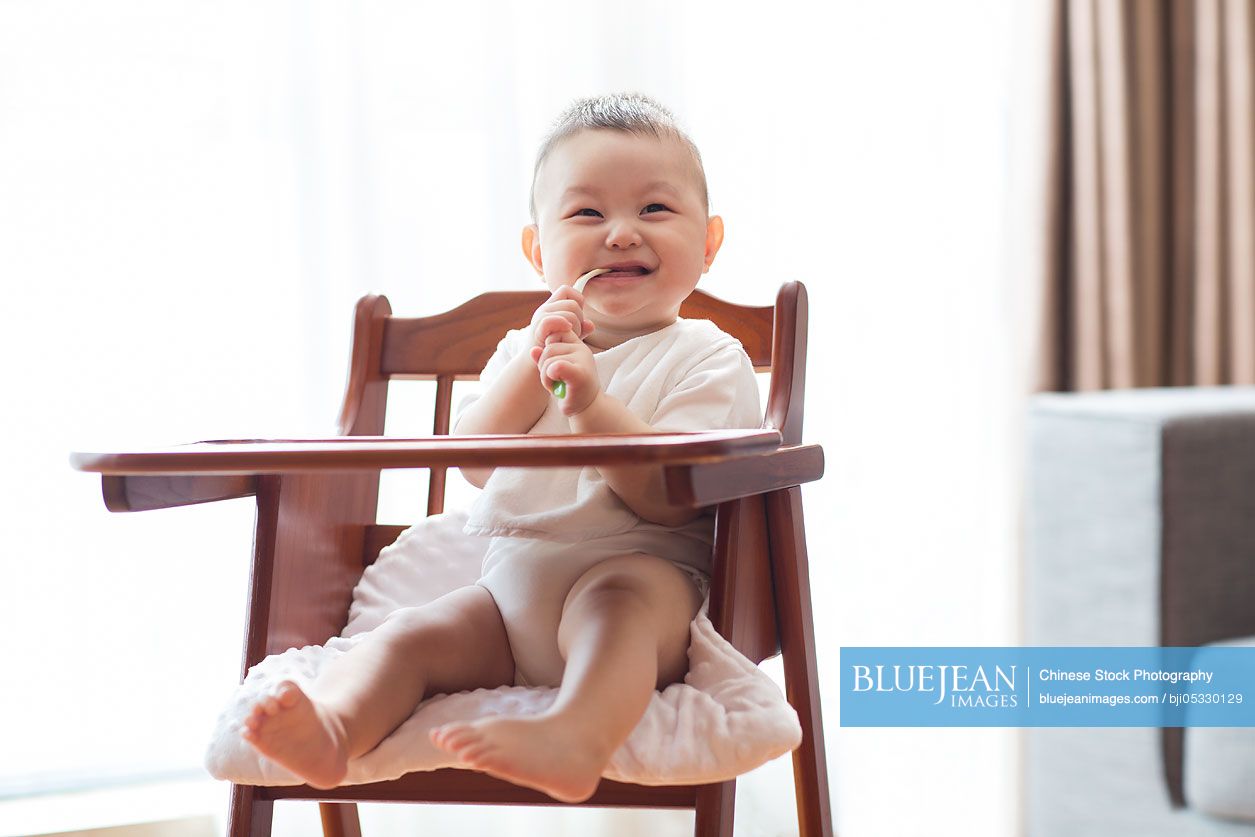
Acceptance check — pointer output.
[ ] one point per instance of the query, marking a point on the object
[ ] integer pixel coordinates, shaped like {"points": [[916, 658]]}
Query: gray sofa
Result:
{"points": [[1140, 530]]}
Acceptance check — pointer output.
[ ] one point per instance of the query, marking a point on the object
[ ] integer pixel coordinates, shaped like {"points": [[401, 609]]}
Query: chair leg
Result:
{"points": [[791, 575], [249, 816], [716, 805], [339, 819]]}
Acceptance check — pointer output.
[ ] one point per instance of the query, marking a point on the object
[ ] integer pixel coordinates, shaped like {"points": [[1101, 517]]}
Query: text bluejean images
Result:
{"points": [[1048, 687]]}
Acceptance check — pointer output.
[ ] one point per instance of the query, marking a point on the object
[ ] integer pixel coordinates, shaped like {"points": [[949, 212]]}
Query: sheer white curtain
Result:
{"points": [[192, 196]]}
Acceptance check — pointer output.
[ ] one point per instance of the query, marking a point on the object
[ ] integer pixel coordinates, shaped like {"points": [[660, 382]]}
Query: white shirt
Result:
{"points": [[687, 376]]}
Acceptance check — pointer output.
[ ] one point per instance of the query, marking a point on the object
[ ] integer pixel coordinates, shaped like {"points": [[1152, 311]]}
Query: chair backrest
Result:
{"points": [[456, 344]]}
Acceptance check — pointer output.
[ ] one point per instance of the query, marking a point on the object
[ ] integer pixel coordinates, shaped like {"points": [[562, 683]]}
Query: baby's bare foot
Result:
{"points": [[292, 730], [548, 754]]}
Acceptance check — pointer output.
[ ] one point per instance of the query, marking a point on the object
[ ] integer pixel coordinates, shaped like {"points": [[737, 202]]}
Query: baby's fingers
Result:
{"points": [[555, 328], [551, 360], [568, 292], [543, 357], [566, 298]]}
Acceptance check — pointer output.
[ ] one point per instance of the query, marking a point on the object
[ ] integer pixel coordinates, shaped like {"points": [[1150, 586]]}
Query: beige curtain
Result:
{"points": [[1150, 273]]}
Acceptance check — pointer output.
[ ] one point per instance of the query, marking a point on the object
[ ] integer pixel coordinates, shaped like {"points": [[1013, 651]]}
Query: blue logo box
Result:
{"points": [[1211, 686]]}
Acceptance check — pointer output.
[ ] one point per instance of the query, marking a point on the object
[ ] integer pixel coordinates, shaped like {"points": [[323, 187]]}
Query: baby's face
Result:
{"points": [[610, 199]]}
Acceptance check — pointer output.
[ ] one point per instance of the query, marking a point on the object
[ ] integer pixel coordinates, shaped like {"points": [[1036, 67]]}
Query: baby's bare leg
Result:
{"points": [[624, 633], [366, 693]]}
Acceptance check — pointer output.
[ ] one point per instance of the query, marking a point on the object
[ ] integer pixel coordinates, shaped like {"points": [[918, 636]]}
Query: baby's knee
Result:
{"points": [[648, 593], [650, 586], [631, 579], [409, 624], [437, 623]]}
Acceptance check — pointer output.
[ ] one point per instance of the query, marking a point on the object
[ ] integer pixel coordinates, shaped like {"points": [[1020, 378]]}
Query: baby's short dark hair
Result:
{"points": [[631, 113]]}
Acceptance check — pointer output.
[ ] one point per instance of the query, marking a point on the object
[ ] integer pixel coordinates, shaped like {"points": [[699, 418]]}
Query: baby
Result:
{"points": [[591, 577]]}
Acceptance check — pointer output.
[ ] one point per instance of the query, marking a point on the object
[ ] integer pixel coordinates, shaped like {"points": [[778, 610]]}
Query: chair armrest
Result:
{"points": [[165, 491], [357, 453], [704, 484]]}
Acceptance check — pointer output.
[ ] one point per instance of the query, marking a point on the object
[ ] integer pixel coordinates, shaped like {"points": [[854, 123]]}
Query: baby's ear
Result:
{"points": [[714, 239], [531, 248]]}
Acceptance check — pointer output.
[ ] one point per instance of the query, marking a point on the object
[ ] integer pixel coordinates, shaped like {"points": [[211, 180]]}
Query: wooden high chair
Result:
{"points": [[316, 529]]}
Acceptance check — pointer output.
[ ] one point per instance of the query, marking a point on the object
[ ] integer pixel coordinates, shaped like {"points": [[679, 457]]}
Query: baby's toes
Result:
{"points": [[453, 735], [253, 719], [251, 726], [439, 735], [479, 754], [288, 694]]}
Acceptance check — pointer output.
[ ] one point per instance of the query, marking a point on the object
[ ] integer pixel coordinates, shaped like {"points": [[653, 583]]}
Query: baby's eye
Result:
{"points": [[660, 207], [586, 209]]}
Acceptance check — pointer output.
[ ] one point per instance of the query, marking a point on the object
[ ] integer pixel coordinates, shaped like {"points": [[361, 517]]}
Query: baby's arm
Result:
{"points": [[515, 400], [639, 486], [512, 404]]}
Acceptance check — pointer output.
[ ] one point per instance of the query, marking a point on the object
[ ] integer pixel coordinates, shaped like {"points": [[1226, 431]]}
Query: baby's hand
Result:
{"points": [[564, 357], [567, 303]]}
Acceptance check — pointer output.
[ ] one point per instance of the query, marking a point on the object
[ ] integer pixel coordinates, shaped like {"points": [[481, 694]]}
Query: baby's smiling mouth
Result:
{"points": [[623, 270]]}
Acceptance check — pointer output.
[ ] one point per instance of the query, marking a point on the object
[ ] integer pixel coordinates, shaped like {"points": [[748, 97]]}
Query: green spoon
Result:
{"points": [[559, 387]]}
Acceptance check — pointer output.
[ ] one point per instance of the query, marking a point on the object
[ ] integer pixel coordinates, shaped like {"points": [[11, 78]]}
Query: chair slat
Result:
{"points": [[465, 786], [742, 602], [459, 342], [751, 325], [440, 427], [376, 538]]}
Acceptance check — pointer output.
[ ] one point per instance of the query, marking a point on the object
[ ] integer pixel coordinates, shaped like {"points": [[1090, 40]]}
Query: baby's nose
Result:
{"points": [[623, 234]]}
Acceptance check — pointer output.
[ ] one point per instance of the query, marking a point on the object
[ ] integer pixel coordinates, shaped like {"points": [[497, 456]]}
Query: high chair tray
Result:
{"points": [[348, 453], [700, 469]]}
